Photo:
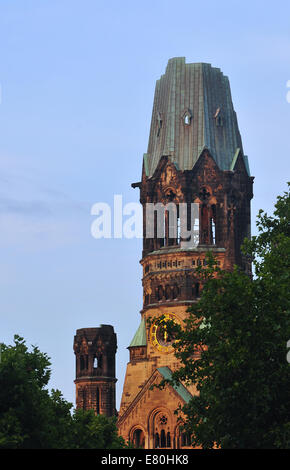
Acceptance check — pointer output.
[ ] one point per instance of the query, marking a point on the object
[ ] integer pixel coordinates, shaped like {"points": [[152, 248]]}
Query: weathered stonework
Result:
{"points": [[95, 350], [194, 155]]}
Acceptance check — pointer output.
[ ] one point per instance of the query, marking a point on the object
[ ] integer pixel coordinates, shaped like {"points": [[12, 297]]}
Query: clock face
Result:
{"points": [[160, 336]]}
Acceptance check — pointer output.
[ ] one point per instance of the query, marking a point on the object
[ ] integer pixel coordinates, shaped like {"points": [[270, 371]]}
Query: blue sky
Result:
{"points": [[77, 81]]}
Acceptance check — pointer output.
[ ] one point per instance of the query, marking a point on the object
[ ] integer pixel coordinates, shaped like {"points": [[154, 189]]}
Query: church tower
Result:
{"points": [[95, 350], [194, 155]]}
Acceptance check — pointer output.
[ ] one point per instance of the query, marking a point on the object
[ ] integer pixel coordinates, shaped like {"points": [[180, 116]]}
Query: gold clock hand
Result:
{"points": [[165, 334]]}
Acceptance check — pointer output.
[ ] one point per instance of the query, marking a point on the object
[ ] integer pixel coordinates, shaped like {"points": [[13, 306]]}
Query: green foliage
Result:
{"points": [[33, 417], [89, 431], [240, 328]]}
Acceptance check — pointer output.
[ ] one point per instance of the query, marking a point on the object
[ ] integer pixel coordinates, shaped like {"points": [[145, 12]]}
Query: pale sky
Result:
{"points": [[77, 84]]}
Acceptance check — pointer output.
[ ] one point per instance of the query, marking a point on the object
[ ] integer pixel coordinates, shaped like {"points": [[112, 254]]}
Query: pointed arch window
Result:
{"points": [[218, 118], [160, 292], [212, 222], [212, 230], [162, 439], [156, 441], [185, 439], [186, 117], [138, 438], [168, 292], [175, 291], [84, 362], [98, 362], [178, 229]]}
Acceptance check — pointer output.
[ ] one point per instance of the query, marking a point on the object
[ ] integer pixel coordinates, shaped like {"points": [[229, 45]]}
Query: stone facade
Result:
{"points": [[192, 112], [95, 350]]}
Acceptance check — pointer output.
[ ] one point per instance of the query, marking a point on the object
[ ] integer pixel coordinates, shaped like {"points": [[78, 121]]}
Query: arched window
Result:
{"points": [[204, 224], [175, 291], [139, 438], [219, 121], [84, 362], [167, 292], [218, 117], [159, 292], [212, 229], [156, 441], [162, 439], [212, 223], [168, 440], [98, 362], [178, 230], [186, 117], [185, 439]]}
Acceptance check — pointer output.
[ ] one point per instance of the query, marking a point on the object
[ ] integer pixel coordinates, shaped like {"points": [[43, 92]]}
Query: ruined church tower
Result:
{"points": [[195, 155], [95, 351]]}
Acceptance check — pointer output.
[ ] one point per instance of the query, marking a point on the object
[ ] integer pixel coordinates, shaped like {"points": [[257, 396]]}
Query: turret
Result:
{"points": [[95, 350]]}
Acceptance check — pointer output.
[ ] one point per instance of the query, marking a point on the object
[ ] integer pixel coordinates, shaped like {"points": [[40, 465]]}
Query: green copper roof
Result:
{"points": [[192, 110], [180, 389], [140, 335], [235, 159], [245, 158]]}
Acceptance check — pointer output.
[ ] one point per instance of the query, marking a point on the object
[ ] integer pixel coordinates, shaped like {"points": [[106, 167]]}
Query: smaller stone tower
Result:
{"points": [[95, 350]]}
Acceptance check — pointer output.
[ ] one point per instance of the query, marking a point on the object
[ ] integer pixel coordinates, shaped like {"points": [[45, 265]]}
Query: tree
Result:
{"points": [[240, 329], [33, 417], [90, 431]]}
